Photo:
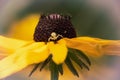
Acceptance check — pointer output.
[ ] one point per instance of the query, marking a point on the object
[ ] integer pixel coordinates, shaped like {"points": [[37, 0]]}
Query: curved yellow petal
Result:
{"points": [[88, 48], [94, 46], [9, 44], [58, 51], [109, 47], [41, 51], [24, 28], [23, 58]]}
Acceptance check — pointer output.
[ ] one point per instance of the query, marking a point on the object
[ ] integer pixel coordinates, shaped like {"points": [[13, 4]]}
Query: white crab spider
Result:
{"points": [[54, 36]]}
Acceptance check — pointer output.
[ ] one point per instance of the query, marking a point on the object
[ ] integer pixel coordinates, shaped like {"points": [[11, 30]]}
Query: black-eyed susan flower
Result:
{"points": [[55, 42]]}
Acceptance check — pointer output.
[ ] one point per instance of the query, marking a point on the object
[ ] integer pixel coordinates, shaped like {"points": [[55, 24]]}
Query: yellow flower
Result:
{"points": [[54, 43]]}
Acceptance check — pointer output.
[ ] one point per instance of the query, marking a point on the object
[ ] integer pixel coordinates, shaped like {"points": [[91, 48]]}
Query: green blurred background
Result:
{"points": [[90, 18]]}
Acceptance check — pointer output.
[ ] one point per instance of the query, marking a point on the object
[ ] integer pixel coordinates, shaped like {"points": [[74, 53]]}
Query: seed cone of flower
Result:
{"points": [[60, 25]]}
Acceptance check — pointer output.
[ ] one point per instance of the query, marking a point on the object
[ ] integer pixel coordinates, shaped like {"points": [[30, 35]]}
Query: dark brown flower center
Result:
{"points": [[53, 27]]}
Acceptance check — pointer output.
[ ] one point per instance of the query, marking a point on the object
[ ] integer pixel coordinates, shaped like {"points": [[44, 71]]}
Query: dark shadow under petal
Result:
{"points": [[80, 55], [60, 69], [70, 66], [54, 71], [34, 69], [46, 62], [78, 60]]}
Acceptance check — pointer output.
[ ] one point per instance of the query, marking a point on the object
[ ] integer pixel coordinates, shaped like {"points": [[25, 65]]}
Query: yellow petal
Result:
{"points": [[58, 51], [23, 58], [88, 48], [24, 28], [94, 46], [9, 44], [109, 47]]}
